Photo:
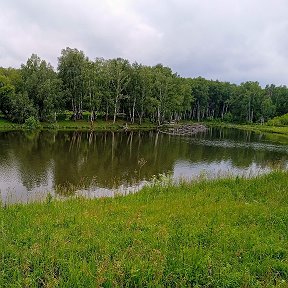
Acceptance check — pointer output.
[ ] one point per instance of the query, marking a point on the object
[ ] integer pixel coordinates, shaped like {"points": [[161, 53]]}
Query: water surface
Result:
{"points": [[103, 163]]}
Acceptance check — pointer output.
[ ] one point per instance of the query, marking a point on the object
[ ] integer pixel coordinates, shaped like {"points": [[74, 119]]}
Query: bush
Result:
{"points": [[64, 116], [31, 123], [228, 117], [279, 121], [21, 108]]}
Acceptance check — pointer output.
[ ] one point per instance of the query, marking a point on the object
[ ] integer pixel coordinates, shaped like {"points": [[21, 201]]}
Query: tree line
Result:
{"points": [[116, 88]]}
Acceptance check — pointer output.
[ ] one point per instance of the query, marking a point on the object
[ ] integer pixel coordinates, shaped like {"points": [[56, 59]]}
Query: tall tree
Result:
{"points": [[279, 97], [246, 102], [71, 67], [182, 98], [93, 86], [200, 92], [162, 91], [42, 86], [145, 84], [17, 107], [119, 76]]}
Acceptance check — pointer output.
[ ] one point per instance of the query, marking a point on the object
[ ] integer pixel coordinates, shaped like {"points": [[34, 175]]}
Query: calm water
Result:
{"points": [[103, 163]]}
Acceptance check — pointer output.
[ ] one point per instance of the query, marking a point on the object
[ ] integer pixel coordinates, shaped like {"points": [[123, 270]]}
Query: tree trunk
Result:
{"points": [[107, 111], [115, 109], [133, 111], [158, 116], [198, 112]]}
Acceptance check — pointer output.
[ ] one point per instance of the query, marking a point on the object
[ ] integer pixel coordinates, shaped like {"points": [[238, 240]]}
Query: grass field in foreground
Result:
{"points": [[222, 233]]}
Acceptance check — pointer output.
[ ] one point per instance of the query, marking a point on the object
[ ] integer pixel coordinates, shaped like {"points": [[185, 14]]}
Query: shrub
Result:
{"points": [[31, 123], [228, 117], [279, 121]]}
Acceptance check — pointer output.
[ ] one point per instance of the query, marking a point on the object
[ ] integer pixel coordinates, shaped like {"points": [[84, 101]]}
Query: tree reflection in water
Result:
{"points": [[64, 162]]}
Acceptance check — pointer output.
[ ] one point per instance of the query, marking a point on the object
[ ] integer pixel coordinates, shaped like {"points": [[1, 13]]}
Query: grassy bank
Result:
{"points": [[264, 128], [5, 125], [99, 125], [102, 125], [224, 233], [253, 127]]}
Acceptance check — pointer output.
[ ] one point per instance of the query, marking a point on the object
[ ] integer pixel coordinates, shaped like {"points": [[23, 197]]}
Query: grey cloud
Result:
{"points": [[229, 40]]}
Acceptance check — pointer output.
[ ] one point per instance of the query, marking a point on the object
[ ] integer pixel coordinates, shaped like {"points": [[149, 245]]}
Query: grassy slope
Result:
{"points": [[224, 233]]}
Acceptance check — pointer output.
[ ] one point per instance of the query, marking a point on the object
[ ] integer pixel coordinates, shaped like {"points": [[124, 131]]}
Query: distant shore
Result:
{"points": [[120, 125]]}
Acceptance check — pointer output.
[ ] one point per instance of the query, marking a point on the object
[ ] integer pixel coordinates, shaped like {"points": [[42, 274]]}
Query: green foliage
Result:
{"points": [[228, 117], [64, 116], [246, 102], [7, 93], [22, 108], [279, 121], [224, 233], [43, 87], [31, 123], [13, 77], [279, 96], [71, 67], [116, 88], [15, 106]]}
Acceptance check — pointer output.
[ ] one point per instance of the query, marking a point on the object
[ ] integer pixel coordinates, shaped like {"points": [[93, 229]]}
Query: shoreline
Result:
{"points": [[79, 125], [280, 130], [102, 125]]}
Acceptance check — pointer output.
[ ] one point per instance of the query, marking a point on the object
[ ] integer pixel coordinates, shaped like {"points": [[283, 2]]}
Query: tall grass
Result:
{"points": [[221, 233]]}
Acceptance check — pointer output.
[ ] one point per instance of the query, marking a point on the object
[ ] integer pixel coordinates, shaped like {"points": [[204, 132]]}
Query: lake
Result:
{"points": [[96, 164]]}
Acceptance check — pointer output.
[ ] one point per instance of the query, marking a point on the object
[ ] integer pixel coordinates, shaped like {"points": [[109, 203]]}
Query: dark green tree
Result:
{"points": [[42, 86], [119, 71], [71, 67]]}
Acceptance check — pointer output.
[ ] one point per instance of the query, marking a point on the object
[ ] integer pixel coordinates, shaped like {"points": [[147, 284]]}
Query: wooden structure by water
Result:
{"points": [[184, 130]]}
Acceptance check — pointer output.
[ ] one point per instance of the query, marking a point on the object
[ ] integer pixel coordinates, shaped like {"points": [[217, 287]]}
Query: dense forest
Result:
{"points": [[115, 88]]}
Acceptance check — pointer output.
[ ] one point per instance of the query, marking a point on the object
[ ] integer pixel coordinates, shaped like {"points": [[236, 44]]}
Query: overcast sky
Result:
{"points": [[228, 40]]}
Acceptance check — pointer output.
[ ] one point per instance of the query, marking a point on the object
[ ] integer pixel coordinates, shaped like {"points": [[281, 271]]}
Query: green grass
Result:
{"points": [[101, 125], [283, 130], [221, 233], [6, 125], [265, 128], [279, 121], [98, 125]]}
